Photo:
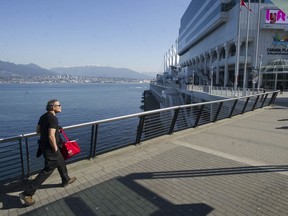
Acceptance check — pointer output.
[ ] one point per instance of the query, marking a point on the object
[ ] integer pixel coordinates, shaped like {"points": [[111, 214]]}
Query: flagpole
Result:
{"points": [[257, 36], [246, 53], [257, 45], [238, 50]]}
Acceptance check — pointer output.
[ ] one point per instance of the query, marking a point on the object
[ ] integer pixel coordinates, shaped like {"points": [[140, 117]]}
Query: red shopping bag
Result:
{"points": [[69, 147]]}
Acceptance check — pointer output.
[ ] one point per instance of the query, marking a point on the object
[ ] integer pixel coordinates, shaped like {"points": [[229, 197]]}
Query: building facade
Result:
{"points": [[227, 44]]}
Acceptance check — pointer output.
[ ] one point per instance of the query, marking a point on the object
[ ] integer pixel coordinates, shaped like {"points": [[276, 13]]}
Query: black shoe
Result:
{"points": [[71, 180]]}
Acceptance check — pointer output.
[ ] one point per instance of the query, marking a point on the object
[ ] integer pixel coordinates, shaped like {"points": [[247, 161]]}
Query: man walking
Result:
{"points": [[50, 142]]}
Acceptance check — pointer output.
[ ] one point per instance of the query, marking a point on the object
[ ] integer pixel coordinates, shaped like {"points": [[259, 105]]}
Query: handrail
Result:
{"points": [[97, 137], [215, 90], [148, 113]]}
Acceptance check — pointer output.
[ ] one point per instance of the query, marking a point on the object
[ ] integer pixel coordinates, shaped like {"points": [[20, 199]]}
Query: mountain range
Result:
{"points": [[8, 69], [100, 71]]}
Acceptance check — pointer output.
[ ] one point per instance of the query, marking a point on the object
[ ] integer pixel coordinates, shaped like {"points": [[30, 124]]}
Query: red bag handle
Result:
{"points": [[64, 134]]}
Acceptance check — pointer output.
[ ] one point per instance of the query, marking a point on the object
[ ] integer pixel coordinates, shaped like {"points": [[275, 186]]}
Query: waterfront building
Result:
{"points": [[224, 43]]}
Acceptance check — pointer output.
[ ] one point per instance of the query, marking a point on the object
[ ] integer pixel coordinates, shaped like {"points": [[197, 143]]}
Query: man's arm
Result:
{"points": [[38, 129], [52, 138]]}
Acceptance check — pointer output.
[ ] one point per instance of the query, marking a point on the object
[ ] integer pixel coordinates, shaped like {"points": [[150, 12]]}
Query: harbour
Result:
{"points": [[81, 103]]}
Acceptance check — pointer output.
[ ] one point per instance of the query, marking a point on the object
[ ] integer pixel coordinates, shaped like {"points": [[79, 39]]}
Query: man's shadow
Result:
{"points": [[13, 201]]}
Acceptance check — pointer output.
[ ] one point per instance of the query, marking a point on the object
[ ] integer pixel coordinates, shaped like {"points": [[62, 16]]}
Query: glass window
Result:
{"points": [[270, 76], [233, 50]]}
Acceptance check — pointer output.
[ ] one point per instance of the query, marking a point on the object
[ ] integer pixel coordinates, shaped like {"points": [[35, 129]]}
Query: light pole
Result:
{"points": [[259, 71]]}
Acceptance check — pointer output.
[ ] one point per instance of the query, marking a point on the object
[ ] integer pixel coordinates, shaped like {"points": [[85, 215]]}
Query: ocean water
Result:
{"points": [[22, 104]]}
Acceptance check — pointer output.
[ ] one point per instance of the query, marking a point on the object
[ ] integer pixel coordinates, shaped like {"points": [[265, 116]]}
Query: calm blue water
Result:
{"points": [[22, 104]]}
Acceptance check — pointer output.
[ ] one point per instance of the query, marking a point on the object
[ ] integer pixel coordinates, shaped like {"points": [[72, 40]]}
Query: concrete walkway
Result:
{"points": [[238, 166]]}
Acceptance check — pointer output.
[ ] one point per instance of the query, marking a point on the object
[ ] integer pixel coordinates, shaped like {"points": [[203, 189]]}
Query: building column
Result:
{"points": [[237, 63], [205, 63], [217, 65], [198, 62], [210, 66], [226, 65]]}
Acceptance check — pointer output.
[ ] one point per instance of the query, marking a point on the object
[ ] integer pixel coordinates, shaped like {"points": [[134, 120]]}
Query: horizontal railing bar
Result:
{"points": [[14, 138]]}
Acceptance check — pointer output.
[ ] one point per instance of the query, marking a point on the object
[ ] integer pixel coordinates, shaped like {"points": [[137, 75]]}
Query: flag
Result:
{"points": [[282, 4], [242, 3]]}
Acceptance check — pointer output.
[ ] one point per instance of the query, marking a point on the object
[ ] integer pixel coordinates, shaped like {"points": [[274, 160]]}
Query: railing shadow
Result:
{"points": [[283, 120], [211, 172], [79, 207], [283, 127]]}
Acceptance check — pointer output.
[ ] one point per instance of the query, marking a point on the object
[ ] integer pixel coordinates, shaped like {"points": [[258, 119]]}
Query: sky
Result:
{"points": [[132, 34], [283, 4]]}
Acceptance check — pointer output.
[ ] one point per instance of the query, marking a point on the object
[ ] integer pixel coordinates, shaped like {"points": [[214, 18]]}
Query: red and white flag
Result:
{"points": [[242, 3]]}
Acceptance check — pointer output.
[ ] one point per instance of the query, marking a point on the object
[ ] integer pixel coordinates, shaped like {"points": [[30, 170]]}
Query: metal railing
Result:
{"points": [[18, 154], [214, 90]]}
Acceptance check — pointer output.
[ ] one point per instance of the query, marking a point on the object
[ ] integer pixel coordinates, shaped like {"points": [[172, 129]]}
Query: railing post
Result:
{"points": [[256, 101], [199, 116], [233, 107], [174, 120], [140, 129], [27, 156], [92, 141], [274, 95], [22, 158], [218, 111], [245, 105], [93, 145], [263, 100]]}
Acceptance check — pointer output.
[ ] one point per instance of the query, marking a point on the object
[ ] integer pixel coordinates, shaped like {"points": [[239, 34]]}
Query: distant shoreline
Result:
{"points": [[70, 79]]}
